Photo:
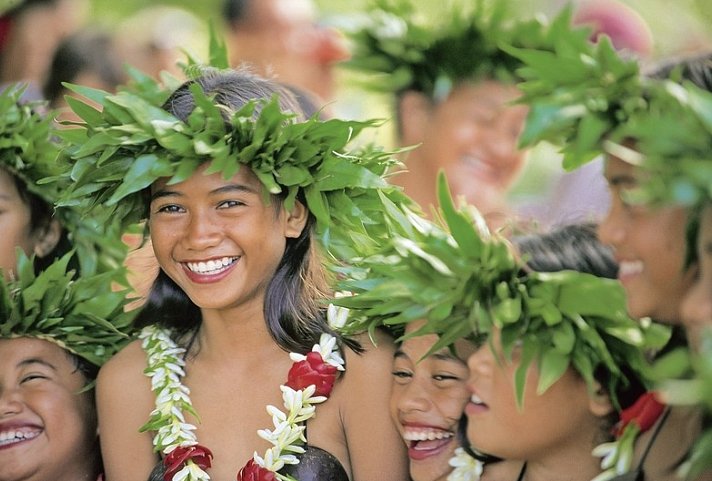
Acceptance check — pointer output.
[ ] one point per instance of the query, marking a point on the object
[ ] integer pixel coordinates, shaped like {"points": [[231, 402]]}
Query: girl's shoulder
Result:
{"points": [[126, 366]]}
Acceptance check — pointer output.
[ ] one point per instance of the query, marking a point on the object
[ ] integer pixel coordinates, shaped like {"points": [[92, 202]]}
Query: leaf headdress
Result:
{"points": [[405, 53], [83, 315], [30, 152], [466, 282], [131, 141]]}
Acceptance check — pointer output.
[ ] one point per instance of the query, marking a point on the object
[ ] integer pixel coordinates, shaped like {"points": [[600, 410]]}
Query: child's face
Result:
{"points": [[427, 402], [546, 423], [219, 240], [47, 424], [649, 245]]}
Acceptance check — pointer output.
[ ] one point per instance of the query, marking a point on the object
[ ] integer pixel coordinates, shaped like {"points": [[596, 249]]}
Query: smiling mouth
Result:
{"points": [[8, 438], [476, 400], [211, 267]]}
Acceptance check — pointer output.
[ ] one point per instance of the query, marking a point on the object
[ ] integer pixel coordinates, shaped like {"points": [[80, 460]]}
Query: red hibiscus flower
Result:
{"points": [[644, 413], [177, 458], [254, 472], [313, 370]]}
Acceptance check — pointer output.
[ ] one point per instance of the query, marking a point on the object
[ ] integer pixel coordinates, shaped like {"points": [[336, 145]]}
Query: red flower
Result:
{"points": [[313, 370], [177, 458], [644, 413], [254, 472]]}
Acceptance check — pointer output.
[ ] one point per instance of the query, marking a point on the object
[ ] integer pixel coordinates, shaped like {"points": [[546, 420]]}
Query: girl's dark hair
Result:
{"points": [[41, 215], [696, 69], [572, 247], [86, 51], [294, 316], [576, 247]]}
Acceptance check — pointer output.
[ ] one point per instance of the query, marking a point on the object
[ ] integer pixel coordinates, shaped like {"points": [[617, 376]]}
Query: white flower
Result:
{"points": [[466, 467], [337, 316]]}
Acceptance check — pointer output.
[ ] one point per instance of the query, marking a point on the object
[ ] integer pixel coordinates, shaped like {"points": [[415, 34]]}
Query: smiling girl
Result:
{"points": [[235, 183]]}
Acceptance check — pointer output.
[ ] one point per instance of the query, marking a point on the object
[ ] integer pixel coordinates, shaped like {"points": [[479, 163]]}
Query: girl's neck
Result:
{"points": [[236, 332], [571, 463]]}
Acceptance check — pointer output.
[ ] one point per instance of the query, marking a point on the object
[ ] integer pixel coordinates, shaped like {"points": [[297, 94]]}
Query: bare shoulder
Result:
{"points": [[125, 369]]}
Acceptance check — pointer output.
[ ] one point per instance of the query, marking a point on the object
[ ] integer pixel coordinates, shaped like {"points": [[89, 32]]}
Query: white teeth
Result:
{"points": [[627, 268], [212, 266], [475, 399], [428, 435], [9, 437]]}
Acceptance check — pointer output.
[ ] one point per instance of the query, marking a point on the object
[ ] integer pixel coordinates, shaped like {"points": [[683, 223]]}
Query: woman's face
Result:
{"points": [[649, 245], [47, 424], [427, 400], [218, 239], [696, 310], [14, 224], [472, 135], [563, 414]]}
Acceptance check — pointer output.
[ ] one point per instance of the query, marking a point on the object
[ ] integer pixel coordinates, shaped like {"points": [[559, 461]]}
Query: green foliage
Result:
{"points": [[31, 153], [405, 53], [81, 314], [129, 142], [467, 283]]}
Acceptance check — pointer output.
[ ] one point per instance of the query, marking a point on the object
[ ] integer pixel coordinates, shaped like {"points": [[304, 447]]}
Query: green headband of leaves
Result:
{"points": [[30, 151], [26, 148], [81, 314], [406, 54], [466, 282], [130, 142]]}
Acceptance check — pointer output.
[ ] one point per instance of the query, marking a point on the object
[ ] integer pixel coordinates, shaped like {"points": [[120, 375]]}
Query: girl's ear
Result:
{"points": [[296, 220], [47, 238], [600, 402]]}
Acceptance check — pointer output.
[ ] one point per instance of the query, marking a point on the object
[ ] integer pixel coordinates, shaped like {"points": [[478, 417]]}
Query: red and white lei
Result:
{"points": [[309, 382]]}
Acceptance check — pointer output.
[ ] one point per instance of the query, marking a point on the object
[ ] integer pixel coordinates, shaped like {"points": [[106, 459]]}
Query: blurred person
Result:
{"points": [[88, 58], [582, 195], [452, 85], [29, 34], [154, 38], [282, 38], [28, 217]]}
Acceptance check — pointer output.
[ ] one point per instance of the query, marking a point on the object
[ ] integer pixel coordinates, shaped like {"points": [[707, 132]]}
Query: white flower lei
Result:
{"points": [[166, 368], [466, 467]]}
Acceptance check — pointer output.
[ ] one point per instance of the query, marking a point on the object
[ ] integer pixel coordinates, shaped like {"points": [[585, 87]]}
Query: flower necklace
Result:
{"points": [[617, 456], [309, 382], [466, 468]]}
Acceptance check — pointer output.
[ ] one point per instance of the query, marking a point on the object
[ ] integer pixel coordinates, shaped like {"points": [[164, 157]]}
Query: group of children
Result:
{"points": [[311, 321]]}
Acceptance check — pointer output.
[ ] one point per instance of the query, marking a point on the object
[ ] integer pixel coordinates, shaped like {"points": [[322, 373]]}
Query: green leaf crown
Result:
{"points": [[406, 54], [589, 99], [26, 148], [585, 97], [465, 282], [31, 152], [130, 142], [81, 314]]}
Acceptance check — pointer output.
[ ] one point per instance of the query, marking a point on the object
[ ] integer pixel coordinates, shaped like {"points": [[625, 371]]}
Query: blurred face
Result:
{"points": [[282, 38], [649, 245], [47, 426], [218, 239], [427, 400], [696, 307], [14, 223], [472, 135], [546, 424]]}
